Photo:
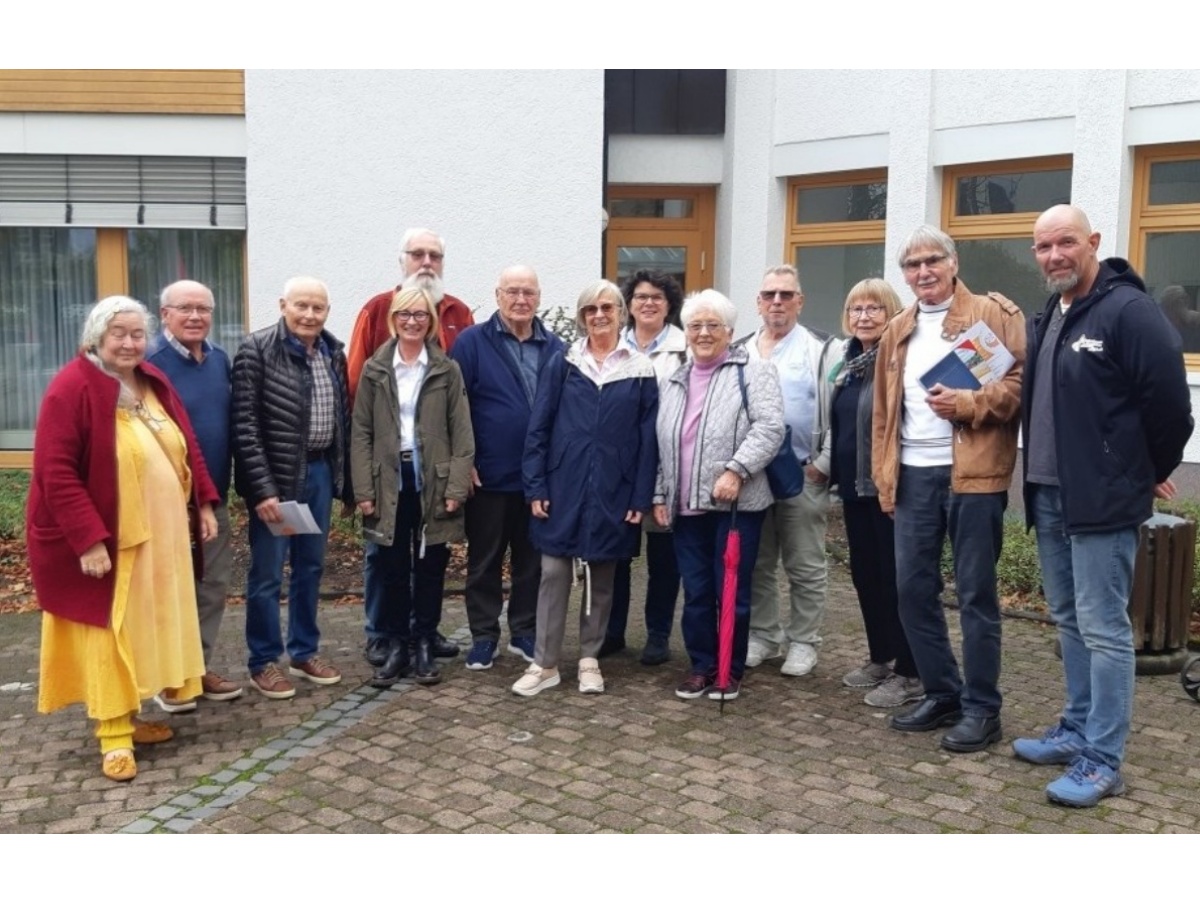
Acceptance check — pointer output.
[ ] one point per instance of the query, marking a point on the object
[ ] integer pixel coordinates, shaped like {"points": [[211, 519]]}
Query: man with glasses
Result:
{"points": [[942, 459], [501, 360], [794, 529], [291, 432], [200, 373], [422, 258], [1107, 413]]}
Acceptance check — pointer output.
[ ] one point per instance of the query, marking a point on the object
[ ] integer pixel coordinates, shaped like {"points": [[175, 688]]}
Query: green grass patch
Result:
{"points": [[14, 487]]}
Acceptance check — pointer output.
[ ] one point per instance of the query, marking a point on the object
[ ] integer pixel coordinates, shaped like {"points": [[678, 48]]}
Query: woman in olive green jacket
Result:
{"points": [[411, 453]]}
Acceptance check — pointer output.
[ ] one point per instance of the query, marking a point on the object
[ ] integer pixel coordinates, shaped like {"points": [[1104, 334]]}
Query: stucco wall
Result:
{"points": [[506, 166]]}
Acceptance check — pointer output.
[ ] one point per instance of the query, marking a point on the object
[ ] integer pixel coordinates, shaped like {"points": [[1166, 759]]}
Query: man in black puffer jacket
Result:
{"points": [[290, 427]]}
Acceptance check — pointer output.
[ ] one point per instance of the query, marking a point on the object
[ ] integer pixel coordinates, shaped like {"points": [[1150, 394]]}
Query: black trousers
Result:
{"points": [[497, 521]]}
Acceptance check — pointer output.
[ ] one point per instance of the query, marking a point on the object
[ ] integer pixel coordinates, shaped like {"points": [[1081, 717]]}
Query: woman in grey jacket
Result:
{"points": [[714, 441], [411, 453]]}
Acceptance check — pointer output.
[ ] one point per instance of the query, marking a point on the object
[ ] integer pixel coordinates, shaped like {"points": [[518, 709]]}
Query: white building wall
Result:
{"points": [[506, 166]]}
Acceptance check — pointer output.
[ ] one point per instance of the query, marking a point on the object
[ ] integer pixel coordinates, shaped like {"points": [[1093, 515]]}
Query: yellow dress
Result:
{"points": [[154, 638]]}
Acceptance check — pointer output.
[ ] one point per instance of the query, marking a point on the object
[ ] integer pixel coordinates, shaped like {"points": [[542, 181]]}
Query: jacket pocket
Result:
{"points": [[437, 499]]}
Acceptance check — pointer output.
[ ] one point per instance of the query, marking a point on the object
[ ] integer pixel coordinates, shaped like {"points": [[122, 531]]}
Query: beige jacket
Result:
{"points": [[986, 421]]}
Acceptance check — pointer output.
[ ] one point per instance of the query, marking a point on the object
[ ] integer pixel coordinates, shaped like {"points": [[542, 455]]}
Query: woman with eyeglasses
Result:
{"points": [[116, 466], [588, 469], [411, 452], [654, 300], [720, 422], [889, 671]]}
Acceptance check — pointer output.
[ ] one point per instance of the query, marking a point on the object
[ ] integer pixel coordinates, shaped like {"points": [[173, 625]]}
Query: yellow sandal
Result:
{"points": [[119, 765]]}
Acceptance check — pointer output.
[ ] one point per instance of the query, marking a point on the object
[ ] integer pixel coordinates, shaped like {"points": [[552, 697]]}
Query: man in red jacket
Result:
{"points": [[422, 257]]}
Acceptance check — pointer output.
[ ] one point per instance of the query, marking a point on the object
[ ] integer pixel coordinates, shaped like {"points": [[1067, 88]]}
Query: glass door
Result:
{"points": [[668, 229]]}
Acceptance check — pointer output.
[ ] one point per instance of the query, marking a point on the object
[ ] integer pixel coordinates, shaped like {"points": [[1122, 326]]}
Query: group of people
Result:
{"points": [[653, 420]]}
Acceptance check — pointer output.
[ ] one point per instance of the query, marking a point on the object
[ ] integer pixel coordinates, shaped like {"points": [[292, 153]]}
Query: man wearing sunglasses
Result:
{"points": [[422, 256], [794, 530]]}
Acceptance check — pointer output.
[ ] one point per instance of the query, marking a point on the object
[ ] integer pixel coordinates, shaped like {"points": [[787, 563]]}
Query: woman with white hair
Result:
{"points": [[720, 422], [588, 469], [115, 467]]}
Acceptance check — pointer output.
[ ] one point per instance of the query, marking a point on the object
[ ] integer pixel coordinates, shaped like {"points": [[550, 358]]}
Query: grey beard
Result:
{"points": [[429, 283], [1062, 283]]}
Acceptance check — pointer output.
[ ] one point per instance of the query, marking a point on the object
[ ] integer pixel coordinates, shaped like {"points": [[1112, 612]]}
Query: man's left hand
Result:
{"points": [[1166, 490], [942, 401]]}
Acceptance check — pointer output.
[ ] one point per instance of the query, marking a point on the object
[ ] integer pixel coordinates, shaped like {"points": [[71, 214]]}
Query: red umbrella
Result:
{"points": [[728, 606]]}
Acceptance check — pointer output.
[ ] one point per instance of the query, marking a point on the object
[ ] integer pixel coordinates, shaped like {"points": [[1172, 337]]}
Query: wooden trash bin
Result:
{"points": [[1160, 602]]}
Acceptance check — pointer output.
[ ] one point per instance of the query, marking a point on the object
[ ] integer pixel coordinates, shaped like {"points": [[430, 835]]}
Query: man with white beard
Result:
{"points": [[422, 257]]}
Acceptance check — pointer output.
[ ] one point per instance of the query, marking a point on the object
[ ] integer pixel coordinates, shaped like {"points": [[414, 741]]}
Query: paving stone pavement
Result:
{"points": [[790, 755]]}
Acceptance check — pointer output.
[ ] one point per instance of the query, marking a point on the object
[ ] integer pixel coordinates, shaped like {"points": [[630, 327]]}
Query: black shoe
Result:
{"points": [[394, 667], [377, 651], [610, 646], [929, 714], [656, 652], [972, 733], [426, 671], [442, 648]]}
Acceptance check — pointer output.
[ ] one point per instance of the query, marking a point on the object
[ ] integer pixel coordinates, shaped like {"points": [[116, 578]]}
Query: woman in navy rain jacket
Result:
{"points": [[589, 468]]}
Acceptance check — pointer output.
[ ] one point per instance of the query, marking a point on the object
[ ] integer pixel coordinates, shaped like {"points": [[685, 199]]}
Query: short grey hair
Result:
{"points": [[709, 301], [591, 296], [102, 314], [164, 299], [304, 284], [927, 236], [413, 233], [784, 269]]}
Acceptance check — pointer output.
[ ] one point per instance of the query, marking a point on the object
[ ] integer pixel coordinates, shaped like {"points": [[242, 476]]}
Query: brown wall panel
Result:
{"points": [[215, 91]]}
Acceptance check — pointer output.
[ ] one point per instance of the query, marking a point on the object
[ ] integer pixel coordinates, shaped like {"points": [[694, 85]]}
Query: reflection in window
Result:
{"points": [[47, 287], [826, 276], [1173, 278], [841, 203], [1175, 182], [158, 257], [1017, 192], [1005, 265], [668, 260], [649, 208]]}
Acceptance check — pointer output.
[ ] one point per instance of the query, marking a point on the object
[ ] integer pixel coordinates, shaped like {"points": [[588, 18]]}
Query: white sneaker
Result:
{"points": [[590, 679], [535, 680], [800, 660], [759, 651]]}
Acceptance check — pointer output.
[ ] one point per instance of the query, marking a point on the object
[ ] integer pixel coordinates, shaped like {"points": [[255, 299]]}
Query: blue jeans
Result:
{"points": [[1087, 579], [374, 592], [700, 549], [927, 511], [265, 579], [662, 588]]}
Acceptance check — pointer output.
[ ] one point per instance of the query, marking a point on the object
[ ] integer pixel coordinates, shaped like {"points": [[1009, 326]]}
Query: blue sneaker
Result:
{"points": [[1086, 783], [481, 655], [522, 647], [1057, 746]]}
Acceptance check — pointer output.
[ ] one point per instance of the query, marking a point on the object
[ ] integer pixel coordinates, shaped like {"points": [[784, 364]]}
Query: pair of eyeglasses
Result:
{"points": [[710, 327], [514, 293], [417, 315], [188, 311], [932, 261], [649, 298], [785, 296], [608, 309], [431, 255], [857, 312]]}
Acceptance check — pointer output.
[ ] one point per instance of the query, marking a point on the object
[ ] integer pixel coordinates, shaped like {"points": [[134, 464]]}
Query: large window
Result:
{"points": [[989, 209], [1165, 239], [835, 238], [74, 229]]}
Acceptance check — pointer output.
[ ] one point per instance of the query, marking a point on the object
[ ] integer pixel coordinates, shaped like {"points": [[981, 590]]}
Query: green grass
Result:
{"points": [[14, 486]]}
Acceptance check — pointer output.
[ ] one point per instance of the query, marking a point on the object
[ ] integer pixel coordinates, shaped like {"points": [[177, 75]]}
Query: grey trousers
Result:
{"points": [[213, 589], [554, 596]]}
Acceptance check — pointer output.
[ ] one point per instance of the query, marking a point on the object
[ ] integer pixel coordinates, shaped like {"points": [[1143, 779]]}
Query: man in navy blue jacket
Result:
{"points": [[501, 360], [1107, 412], [200, 372]]}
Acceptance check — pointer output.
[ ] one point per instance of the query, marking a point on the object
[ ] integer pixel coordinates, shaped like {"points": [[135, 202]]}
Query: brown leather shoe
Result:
{"points": [[218, 687], [316, 670], [271, 683], [151, 732]]}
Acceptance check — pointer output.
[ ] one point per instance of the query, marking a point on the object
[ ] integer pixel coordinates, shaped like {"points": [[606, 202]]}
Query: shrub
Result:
{"points": [[14, 486]]}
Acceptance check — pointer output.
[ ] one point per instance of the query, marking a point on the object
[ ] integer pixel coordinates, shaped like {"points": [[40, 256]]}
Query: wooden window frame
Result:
{"points": [[697, 231], [828, 234], [1165, 217], [998, 225]]}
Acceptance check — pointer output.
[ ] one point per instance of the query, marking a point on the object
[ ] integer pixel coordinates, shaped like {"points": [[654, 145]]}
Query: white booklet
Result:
{"points": [[297, 519], [977, 358]]}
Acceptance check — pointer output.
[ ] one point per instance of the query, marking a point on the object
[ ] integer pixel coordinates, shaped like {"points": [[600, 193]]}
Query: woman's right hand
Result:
{"points": [[366, 507], [540, 509], [661, 516], [95, 561]]}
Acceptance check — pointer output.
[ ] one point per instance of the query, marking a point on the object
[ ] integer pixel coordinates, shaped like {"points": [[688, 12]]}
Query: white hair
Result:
{"points": [[164, 299], [304, 284], [413, 233], [709, 301], [102, 313]]}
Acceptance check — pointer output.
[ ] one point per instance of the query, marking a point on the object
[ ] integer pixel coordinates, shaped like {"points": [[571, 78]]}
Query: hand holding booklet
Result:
{"points": [[297, 519], [977, 358]]}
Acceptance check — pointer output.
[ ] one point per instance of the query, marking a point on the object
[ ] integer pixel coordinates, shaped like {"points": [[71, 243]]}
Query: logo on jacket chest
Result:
{"points": [[1092, 345]]}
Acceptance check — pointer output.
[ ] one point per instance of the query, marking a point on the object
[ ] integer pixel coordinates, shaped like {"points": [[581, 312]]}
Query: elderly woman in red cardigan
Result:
{"points": [[115, 464]]}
